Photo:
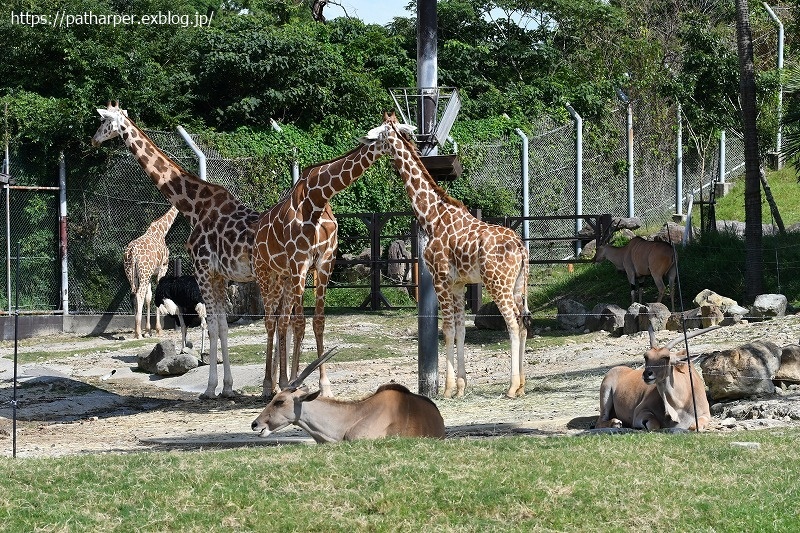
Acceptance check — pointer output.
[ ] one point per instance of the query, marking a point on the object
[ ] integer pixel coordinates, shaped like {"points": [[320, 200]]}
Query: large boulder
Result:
{"points": [[742, 372], [177, 365], [691, 319], [397, 269], [606, 317], [163, 360], [768, 306], [571, 314], [789, 371], [489, 317], [640, 317], [148, 362], [709, 297]]}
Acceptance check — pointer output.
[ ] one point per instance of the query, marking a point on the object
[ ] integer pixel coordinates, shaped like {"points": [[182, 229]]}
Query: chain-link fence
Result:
{"points": [[120, 203]]}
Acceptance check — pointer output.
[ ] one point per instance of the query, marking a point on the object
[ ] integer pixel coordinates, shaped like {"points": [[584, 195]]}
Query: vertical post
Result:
{"points": [[578, 174], [631, 212], [778, 141], [62, 233], [295, 167], [201, 157], [722, 155], [427, 306], [679, 167], [7, 187], [526, 230]]}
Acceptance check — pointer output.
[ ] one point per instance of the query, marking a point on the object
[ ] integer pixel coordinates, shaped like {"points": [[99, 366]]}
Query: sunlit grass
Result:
{"points": [[636, 481]]}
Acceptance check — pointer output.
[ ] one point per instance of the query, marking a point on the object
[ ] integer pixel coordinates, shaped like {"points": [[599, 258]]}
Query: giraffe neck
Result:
{"points": [[180, 187], [161, 226], [327, 179], [427, 197]]}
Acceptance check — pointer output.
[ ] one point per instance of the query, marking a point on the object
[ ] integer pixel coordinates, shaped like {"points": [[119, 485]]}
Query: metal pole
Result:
{"points": [[778, 22], [62, 233], [201, 157], [679, 167], [578, 173], [8, 231], [722, 156], [427, 306], [526, 230], [630, 160]]}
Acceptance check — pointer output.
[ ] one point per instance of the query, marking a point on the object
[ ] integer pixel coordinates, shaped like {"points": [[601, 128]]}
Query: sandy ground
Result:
{"points": [[96, 402]]}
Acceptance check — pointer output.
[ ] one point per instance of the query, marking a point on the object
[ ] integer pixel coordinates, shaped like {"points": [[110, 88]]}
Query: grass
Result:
{"points": [[641, 481]]}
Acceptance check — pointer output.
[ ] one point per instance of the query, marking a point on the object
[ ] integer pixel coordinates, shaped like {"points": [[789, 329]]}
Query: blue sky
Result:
{"points": [[370, 11]]}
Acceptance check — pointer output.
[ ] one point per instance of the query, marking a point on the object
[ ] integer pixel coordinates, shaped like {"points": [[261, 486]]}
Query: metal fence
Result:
{"points": [[105, 217]]}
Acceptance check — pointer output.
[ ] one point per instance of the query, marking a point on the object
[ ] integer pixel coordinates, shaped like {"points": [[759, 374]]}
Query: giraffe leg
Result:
{"points": [[148, 297], [215, 293], [139, 303], [271, 295], [283, 330], [448, 332], [323, 277], [212, 319], [460, 334], [507, 309]]}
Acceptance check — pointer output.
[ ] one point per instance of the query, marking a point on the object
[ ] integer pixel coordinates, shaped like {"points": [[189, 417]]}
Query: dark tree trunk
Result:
{"points": [[754, 266]]}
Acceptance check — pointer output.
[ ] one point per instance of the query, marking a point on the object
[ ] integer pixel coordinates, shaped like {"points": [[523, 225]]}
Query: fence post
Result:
{"points": [[722, 155], [201, 157], [679, 167], [525, 189], [62, 233], [578, 174]]}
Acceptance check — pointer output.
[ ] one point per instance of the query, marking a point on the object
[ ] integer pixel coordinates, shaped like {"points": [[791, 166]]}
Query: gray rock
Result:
{"points": [[768, 306], [571, 314], [489, 317], [148, 362], [742, 372], [789, 371], [176, 365]]}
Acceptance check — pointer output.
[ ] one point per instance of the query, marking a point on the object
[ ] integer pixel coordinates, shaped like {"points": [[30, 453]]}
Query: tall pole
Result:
{"points": [[679, 167], [526, 187], [62, 233], [778, 23], [427, 306], [578, 174]]}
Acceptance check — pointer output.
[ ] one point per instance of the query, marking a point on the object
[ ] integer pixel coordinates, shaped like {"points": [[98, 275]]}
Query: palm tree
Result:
{"points": [[754, 265]]}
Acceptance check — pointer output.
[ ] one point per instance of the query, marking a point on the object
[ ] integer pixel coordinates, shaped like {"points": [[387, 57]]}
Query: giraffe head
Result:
{"points": [[112, 119], [379, 136]]}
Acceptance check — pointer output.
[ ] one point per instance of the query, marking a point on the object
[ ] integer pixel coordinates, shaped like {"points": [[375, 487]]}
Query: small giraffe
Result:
{"points": [[145, 257], [297, 234], [221, 239], [462, 249]]}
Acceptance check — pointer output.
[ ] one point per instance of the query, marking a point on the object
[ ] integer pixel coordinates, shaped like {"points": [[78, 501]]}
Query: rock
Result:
{"points": [[176, 365], [709, 297], [742, 372], [768, 306], [149, 362], [489, 317], [789, 371], [571, 314], [710, 315], [640, 317], [606, 317], [670, 233], [205, 358], [690, 319]]}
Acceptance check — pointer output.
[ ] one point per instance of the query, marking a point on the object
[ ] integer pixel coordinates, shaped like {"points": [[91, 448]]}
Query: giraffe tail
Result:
{"points": [[522, 287]]}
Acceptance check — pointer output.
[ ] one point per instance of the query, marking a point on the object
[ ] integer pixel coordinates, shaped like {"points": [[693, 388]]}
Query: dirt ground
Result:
{"points": [[95, 401]]}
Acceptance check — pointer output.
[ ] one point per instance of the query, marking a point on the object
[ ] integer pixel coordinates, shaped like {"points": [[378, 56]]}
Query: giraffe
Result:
{"points": [[462, 249], [293, 236], [221, 239], [144, 257]]}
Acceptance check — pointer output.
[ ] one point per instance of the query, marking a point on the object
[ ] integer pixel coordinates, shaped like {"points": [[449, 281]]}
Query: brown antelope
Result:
{"points": [[639, 258], [663, 394], [392, 410]]}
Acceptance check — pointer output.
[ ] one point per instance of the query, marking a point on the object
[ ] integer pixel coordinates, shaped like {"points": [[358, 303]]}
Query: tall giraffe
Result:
{"points": [[144, 257], [221, 239], [297, 234], [462, 249]]}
